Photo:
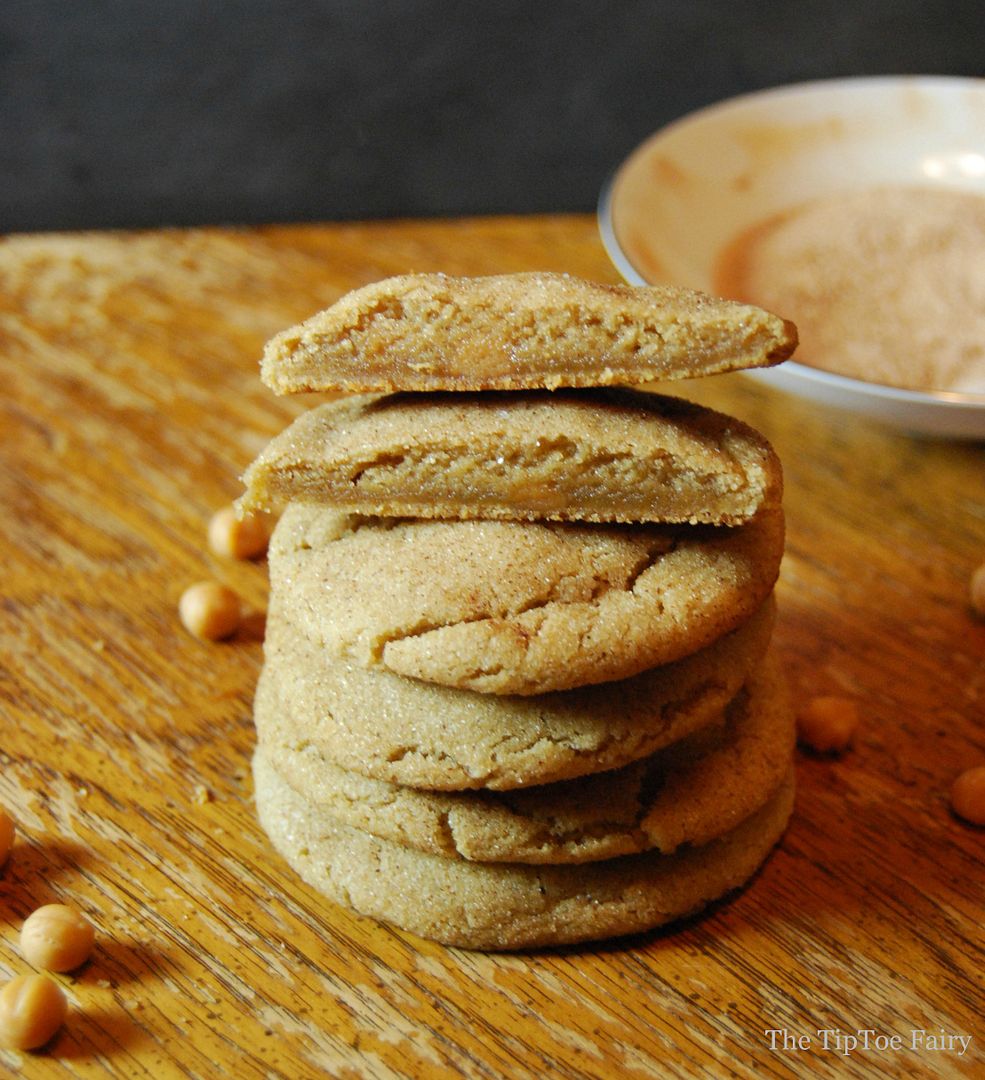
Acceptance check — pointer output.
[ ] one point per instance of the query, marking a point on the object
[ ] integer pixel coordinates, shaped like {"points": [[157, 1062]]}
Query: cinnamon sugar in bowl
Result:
{"points": [[854, 207]]}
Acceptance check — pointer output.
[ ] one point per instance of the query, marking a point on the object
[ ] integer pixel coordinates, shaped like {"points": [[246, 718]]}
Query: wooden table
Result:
{"points": [[131, 403]]}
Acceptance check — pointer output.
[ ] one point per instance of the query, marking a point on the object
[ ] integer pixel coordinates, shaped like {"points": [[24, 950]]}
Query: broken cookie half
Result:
{"points": [[577, 455], [519, 332]]}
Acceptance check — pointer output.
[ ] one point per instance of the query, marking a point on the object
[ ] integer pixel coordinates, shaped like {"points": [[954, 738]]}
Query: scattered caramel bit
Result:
{"points": [[202, 795], [239, 538], [827, 724], [6, 835], [57, 937], [968, 795], [32, 1009], [209, 610], [977, 591]]}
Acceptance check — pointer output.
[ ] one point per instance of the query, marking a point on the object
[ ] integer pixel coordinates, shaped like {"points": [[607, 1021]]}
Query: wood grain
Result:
{"points": [[131, 404]]}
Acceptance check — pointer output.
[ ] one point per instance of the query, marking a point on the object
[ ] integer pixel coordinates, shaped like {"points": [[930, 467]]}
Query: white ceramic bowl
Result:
{"points": [[692, 187]]}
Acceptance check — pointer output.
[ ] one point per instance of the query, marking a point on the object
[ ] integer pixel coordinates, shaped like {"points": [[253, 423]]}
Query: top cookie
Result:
{"points": [[519, 332]]}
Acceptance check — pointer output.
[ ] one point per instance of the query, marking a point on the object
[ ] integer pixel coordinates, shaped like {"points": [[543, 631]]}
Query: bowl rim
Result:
{"points": [[807, 88]]}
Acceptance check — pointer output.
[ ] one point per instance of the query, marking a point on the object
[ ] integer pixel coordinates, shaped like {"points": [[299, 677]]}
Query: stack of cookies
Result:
{"points": [[517, 688]]}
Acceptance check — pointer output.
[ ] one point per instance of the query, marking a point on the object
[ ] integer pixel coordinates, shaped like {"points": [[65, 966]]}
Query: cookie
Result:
{"points": [[576, 455], [509, 607], [518, 332], [497, 906], [423, 735], [690, 792]]}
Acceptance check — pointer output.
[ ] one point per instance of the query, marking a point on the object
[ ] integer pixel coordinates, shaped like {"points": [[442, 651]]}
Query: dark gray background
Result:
{"points": [[190, 111]]}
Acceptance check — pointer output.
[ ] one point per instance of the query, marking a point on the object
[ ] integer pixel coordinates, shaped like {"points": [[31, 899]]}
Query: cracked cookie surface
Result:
{"points": [[510, 905], [425, 735], [517, 607], [692, 791], [519, 332], [591, 455]]}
